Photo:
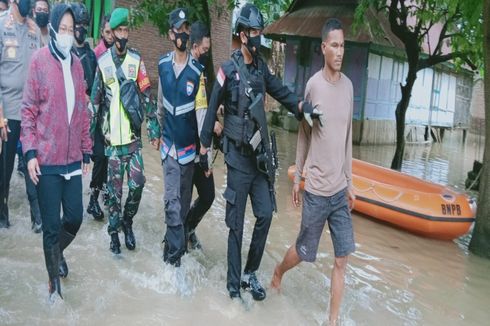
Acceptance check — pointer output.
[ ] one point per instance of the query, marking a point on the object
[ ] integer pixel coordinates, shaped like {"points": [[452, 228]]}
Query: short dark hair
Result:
{"points": [[47, 1], [331, 24], [104, 21], [199, 30]]}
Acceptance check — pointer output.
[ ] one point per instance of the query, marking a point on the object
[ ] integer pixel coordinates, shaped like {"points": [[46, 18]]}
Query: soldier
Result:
{"points": [[19, 38], [179, 76], [121, 80], [240, 85]]}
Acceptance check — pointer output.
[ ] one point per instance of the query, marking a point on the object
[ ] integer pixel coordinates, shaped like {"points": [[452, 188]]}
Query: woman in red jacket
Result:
{"points": [[56, 141]]}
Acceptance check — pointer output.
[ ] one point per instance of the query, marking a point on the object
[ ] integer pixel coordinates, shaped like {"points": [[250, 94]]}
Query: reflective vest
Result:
{"points": [[117, 126], [179, 96]]}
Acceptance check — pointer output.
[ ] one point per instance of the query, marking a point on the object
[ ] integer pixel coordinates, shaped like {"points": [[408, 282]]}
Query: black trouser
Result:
{"points": [[7, 159], [239, 186], [205, 191], [32, 197], [54, 192], [99, 170]]}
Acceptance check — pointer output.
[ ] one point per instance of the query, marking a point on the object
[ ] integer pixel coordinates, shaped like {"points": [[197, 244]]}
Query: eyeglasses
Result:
{"points": [[64, 29]]}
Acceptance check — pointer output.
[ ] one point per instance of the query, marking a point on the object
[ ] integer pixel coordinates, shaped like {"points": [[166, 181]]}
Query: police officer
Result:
{"points": [[204, 182], [119, 67], [40, 13], [244, 178], [19, 38], [179, 76], [83, 51], [80, 47]]}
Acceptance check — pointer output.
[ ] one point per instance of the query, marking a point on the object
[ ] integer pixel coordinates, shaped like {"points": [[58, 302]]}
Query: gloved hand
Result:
{"points": [[203, 162], [310, 113]]}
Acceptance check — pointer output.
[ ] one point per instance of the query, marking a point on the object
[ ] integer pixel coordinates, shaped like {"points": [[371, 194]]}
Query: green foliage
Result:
{"points": [[272, 10], [157, 11], [459, 21]]}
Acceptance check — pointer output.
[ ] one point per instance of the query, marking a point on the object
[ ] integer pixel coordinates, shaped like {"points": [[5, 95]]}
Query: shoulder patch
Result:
{"points": [[221, 77]]}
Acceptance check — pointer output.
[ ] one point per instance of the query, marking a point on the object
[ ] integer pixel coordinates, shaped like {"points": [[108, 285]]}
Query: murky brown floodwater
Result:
{"points": [[394, 278]]}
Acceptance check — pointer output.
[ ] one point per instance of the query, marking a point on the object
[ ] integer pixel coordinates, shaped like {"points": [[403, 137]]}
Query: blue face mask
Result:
{"points": [[24, 7]]}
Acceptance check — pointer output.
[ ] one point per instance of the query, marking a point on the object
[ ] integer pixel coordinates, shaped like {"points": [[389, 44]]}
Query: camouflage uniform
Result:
{"points": [[125, 158]]}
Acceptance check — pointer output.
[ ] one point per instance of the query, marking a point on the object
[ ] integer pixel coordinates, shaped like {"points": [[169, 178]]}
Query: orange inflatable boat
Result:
{"points": [[408, 202]]}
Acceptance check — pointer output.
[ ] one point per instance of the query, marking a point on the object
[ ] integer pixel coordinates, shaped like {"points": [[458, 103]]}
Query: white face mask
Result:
{"points": [[64, 42]]}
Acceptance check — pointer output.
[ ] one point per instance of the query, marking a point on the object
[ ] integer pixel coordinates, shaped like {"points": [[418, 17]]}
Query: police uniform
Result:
{"points": [[18, 42], [243, 179], [177, 117]]}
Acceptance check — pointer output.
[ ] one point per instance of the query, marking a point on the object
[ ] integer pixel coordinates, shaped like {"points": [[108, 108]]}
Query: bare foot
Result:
{"points": [[276, 280]]}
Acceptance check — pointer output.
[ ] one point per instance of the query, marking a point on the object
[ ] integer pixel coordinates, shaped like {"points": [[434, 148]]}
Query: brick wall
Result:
{"points": [[152, 45]]}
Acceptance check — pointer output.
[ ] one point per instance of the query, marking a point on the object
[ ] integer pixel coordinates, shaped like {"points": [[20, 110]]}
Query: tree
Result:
{"points": [[480, 241], [157, 11], [411, 21]]}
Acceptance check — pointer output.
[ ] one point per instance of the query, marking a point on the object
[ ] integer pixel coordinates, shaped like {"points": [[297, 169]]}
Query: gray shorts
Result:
{"points": [[316, 211]]}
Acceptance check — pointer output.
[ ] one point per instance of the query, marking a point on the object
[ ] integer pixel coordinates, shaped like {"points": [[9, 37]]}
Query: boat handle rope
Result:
{"points": [[373, 189]]}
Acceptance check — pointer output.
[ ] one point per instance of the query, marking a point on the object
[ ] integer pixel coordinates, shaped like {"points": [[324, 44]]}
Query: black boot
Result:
{"points": [[65, 239], [52, 257], [129, 235], [93, 205], [115, 244], [251, 283]]}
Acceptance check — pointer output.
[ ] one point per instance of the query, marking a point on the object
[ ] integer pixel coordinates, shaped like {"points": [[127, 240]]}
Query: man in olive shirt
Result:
{"points": [[328, 188], [19, 38]]}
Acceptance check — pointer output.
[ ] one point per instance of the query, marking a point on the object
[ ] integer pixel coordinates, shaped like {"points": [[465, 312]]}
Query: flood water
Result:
{"points": [[394, 278]]}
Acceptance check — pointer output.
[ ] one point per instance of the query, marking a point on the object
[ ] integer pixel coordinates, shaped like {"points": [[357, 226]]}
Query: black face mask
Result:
{"points": [[183, 37], [107, 44], [82, 34], [122, 43], [24, 7], [253, 42], [42, 19], [203, 59]]}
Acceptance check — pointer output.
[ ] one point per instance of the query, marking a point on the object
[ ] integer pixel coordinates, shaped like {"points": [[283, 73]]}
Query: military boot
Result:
{"points": [[129, 235], [65, 239], [115, 244], [93, 205], [52, 257]]}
